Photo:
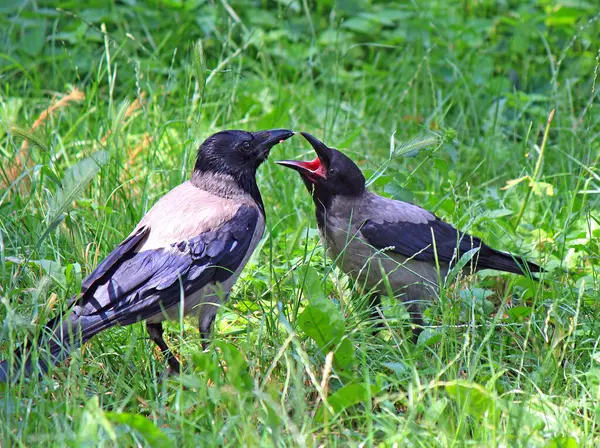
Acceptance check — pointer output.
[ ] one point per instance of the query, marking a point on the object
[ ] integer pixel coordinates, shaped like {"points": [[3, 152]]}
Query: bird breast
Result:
{"points": [[186, 212]]}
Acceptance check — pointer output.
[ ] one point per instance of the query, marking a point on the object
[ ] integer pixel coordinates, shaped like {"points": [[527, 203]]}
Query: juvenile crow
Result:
{"points": [[366, 234], [187, 251]]}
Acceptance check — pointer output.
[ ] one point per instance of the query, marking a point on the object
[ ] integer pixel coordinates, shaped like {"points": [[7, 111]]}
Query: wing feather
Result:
{"points": [[120, 253], [147, 282], [416, 241]]}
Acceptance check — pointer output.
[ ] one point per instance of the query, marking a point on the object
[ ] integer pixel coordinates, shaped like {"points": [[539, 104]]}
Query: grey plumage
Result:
{"points": [[188, 250], [366, 234]]}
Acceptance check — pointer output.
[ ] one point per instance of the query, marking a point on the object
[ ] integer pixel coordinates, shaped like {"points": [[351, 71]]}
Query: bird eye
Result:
{"points": [[245, 146], [331, 171]]}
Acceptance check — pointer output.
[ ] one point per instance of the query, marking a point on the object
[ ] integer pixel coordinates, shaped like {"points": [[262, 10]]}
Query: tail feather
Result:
{"points": [[61, 336], [493, 259]]}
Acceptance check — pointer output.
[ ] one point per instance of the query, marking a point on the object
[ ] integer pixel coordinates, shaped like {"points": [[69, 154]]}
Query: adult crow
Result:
{"points": [[186, 252]]}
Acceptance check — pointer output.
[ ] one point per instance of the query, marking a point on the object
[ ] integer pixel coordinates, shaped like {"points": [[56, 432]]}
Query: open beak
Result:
{"points": [[313, 169]]}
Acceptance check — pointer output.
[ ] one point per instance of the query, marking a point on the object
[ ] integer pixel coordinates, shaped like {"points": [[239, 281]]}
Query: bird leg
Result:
{"points": [[155, 331], [416, 317], [375, 317], [415, 294], [205, 323], [413, 310]]}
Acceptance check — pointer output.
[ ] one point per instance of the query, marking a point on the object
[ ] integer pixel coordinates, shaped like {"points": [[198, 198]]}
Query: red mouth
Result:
{"points": [[315, 170], [311, 169], [314, 166]]}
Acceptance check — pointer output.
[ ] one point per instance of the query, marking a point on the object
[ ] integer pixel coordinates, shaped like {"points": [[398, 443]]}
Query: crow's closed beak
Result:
{"points": [[313, 169], [274, 136], [270, 138]]}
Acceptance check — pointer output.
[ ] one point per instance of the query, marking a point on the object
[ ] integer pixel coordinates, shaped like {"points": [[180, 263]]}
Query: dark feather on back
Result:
{"points": [[416, 241]]}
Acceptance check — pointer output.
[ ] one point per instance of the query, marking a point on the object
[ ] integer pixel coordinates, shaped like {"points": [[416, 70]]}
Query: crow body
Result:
{"points": [[371, 237], [183, 257]]}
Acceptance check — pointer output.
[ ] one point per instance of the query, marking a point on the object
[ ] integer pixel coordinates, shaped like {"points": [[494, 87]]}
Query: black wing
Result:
{"points": [[112, 261], [139, 285], [416, 241]]}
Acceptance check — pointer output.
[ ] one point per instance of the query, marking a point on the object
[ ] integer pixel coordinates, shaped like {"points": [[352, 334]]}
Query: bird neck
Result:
{"points": [[226, 186], [322, 200], [320, 211], [337, 205]]}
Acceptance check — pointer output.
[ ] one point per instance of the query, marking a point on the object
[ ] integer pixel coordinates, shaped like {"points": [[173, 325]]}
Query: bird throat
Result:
{"points": [[322, 200], [228, 186]]}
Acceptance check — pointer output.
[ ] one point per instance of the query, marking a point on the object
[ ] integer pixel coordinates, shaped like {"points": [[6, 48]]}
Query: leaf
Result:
{"points": [[50, 228], [593, 380], [334, 37], [462, 262], [398, 367], [478, 297], [119, 119], [475, 293], [324, 324], [430, 336], [206, 365], [237, 367], [53, 269], [73, 275], [476, 400], [511, 183], [358, 24], [76, 178], [350, 137], [562, 442], [563, 15], [9, 112], [93, 417], [50, 174], [498, 213], [518, 313], [542, 188], [310, 282], [344, 356], [347, 396], [399, 193], [33, 40], [435, 409], [143, 426], [3, 257]]}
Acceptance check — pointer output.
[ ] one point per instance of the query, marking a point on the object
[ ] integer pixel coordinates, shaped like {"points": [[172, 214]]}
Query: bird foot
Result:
{"points": [[170, 372]]}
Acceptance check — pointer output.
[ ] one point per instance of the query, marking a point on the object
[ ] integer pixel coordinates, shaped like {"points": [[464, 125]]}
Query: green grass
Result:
{"points": [[506, 361]]}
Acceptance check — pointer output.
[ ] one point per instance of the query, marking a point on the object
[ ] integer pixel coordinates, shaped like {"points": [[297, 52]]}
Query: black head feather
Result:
{"points": [[238, 154]]}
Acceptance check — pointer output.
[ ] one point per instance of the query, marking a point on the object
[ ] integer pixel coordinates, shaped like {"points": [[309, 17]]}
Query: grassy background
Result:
{"points": [[506, 361]]}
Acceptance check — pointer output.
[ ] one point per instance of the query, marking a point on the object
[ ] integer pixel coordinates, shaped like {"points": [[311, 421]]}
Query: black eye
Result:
{"points": [[245, 146], [331, 171]]}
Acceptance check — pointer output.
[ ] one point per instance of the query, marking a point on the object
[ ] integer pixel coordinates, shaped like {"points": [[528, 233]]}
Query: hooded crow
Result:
{"points": [[182, 258], [369, 236]]}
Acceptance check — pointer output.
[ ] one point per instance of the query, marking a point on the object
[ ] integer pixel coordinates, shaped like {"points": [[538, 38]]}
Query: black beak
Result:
{"points": [[315, 168], [270, 138], [323, 151]]}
